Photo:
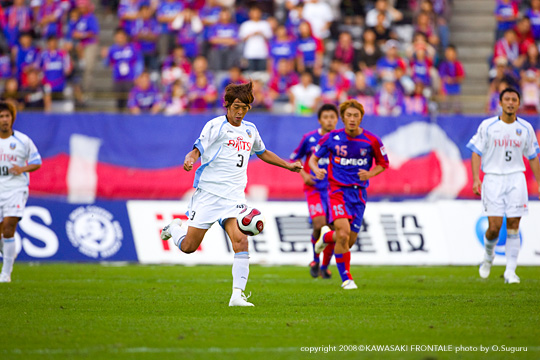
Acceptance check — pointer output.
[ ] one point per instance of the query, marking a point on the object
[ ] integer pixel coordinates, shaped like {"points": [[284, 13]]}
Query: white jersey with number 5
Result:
{"points": [[225, 152], [18, 149], [502, 146]]}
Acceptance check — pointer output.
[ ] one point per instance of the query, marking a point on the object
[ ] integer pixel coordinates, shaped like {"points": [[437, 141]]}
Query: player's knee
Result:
{"points": [[8, 231], [187, 249], [492, 232], [342, 236]]}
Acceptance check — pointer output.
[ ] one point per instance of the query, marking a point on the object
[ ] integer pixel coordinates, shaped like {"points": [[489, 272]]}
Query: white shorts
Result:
{"points": [[505, 195], [12, 203], [206, 208]]}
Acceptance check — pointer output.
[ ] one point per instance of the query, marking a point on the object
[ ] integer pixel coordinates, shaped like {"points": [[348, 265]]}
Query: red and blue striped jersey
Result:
{"points": [[348, 155], [305, 150]]}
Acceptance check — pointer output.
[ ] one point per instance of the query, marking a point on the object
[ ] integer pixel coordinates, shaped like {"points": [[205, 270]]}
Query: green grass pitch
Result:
{"points": [[83, 311]]}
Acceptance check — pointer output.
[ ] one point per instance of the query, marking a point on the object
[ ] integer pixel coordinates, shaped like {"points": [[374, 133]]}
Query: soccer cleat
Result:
{"points": [[511, 279], [484, 269], [166, 232], [320, 245], [326, 274], [349, 285], [240, 300], [314, 269], [5, 278]]}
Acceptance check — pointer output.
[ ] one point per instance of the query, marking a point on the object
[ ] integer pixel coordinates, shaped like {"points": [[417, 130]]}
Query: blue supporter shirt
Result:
{"points": [[167, 8], [223, 31], [348, 155], [144, 99], [53, 65], [124, 60], [150, 26], [305, 150]]}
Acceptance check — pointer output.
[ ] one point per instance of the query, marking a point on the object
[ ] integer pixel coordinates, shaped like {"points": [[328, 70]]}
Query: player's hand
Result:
{"points": [[308, 178], [16, 170], [364, 174], [320, 173], [296, 166], [477, 187], [188, 163]]}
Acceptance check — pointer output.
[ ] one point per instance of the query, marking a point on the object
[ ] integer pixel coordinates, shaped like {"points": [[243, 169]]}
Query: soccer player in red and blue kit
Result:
{"points": [[351, 152], [317, 190]]}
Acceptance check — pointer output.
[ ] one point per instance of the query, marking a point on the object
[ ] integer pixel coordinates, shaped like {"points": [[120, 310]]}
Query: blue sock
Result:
{"points": [[340, 262], [315, 255]]}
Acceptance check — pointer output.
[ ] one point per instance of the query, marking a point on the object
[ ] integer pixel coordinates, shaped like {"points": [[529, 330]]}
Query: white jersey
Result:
{"points": [[225, 152], [502, 146], [20, 150]]}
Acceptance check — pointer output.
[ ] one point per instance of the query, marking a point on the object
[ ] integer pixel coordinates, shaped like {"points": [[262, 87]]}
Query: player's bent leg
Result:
{"points": [[9, 225], [512, 250], [240, 268], [192, 240]]}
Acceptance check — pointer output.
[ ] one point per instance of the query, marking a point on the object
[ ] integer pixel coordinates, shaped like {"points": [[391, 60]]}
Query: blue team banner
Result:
{"points": [[119, 156], [58, 231]]}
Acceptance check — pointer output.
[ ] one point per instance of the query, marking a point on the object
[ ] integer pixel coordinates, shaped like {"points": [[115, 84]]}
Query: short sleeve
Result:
{"points": [[33, 156], [323, 147], [258, 145], [300, 151], [531, 149], [477, 143], [209, 134]]}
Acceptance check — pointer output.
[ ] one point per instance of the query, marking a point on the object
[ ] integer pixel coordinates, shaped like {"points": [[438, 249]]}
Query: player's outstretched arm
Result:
{"points": [[191, 158], [314, 166], [272, 159], [535, 167], [476, 160]]}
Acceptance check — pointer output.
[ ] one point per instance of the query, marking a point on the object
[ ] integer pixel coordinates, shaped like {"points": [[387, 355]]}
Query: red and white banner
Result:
{"points": [[402, 233]]}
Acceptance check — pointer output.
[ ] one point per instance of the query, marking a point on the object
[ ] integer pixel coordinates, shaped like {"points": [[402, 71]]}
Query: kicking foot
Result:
{"points": [[320, 245], [166, 232]]}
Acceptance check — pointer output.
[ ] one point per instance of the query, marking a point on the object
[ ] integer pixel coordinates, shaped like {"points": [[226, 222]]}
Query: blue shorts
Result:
{"points": [[348, 203]]}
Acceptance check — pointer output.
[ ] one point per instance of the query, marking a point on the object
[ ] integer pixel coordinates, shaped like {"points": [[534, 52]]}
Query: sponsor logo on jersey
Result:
{"points": [[363, 152], [8, 157], [312, 139], [12, 146], [352, 162], [336, 137], [507, 142], [323, 161], [248, 132], [94, 232], [518, 132], [239, 144], [383, 150]]}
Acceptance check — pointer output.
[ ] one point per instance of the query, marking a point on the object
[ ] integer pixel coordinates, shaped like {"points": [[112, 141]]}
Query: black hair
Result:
{"points": [[327, 107], [509, 90]]}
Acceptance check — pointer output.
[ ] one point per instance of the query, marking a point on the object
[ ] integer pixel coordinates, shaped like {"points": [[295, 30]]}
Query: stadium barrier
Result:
{"points": [[125, 157], [445, 232]]}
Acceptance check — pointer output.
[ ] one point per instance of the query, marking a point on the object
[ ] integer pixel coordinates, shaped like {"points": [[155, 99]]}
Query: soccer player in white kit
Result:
{"points": [[499, 145], [224, 146], [18, 156]]}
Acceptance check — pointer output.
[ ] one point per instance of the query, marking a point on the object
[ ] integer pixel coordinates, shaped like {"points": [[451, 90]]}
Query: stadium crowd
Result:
{"points": [[175, 56]]}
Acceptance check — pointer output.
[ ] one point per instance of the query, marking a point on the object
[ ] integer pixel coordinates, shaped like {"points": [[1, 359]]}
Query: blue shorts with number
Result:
{"points": [[348, 203]]}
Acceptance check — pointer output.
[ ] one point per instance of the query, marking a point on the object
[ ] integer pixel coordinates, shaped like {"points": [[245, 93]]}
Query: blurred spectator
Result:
{"points": [[524, 34], [5, 65], [200, 67], [416, 103], [421, 67], [419, 41], [223, 40], [531, 60], [363, 93], [282, 46], [391, 14], [210, 13], [439, 14], [177, 100], [86, 33], [387, 64], [34, 95], [452, 73], [26, 56], [368, 55], [166, 12], [294, 17], [19, 19], [188, 26], [125, 59], [202, 94], [353, 12], [175, 67], [533, 13], [507, 47], [506, 14], [345, 50], [262, 100], [504, 72], [389, 99], [331, 88], [49, 19], [530, 92], [234, 77], [281, 81], [74, 50], [493, 106], [425, 25], [145, 33], [254, 34], [55, 65], [12, 93], [382, 33], [345, 76], [319, 15], [310, 52], [128, 12], [144, 97], [305, 96]]}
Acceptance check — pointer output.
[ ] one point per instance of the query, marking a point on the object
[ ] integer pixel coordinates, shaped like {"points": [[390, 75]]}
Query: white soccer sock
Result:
{"points": [[9, 256], [489, 245], [512, 251], [240, 271], [178, 233]]}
